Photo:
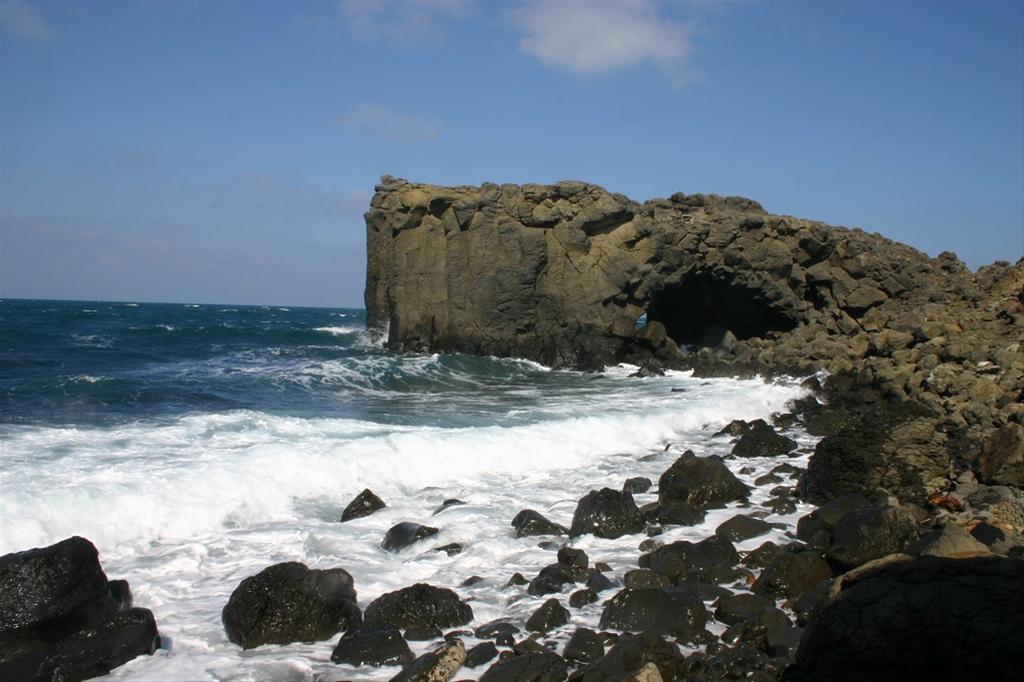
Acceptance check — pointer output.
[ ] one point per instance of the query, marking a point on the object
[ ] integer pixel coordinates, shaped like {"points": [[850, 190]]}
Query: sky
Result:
{"points": [[224, 152]]}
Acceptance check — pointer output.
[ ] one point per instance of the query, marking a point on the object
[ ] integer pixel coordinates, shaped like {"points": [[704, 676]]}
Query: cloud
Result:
{"points": [[25, 21], [407, 22], [381, 121], [595, 37]]}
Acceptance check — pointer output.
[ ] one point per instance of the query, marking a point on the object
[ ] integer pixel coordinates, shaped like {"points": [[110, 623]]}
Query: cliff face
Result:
{"points": [[926, 358], [561, 273]]}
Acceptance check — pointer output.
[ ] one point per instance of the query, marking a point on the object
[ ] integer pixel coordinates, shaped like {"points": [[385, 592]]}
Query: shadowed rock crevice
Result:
{"points": [[705, 310]]}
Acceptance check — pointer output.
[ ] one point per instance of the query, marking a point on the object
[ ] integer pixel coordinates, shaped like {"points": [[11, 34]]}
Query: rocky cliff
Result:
{"points": [[925, 358]]}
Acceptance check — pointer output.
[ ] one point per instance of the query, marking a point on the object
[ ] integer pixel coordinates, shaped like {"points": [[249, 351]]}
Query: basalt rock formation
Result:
{"points": [[925, 358]]}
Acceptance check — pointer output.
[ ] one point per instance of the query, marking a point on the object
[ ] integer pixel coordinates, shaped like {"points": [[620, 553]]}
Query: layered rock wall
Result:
{"points": [[926, 359]]}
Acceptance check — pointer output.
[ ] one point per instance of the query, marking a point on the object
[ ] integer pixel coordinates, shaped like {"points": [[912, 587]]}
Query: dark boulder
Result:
{"points": [[763, 441], [531, 667], [61, 619], [752, 609], [645, 577], [701, 482], [289, 602], [448, 504], [403, 534], [742, 527], [495, 628], [816, 528], [631, 653], [792, 573], [659, 611], [530, 522], [373, 644], [930, 618], [585, 646], [598, 581], [547, 617], [581, 598], [553, 577], [636, 485], [694, 560], [606, 513], [420, 605], [573, 558], [364, 504], [485, 652], [678, 513], [867, 534]]}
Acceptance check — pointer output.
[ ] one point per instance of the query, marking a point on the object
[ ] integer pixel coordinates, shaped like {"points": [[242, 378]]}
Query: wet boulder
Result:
{"points": [[585, 646], [742, 527], [289, 602], [683, 560], [631, 653], [867, 534], [929, 618], [636, 485], [530, 667], [606, 513], [373, 644], [529, 522], [485, 652], [701, 482], [660, 611], [763, 441], [751, 609], [403, 534], [553, 577], [792, 573], [364, 504], [679, 513], [419, 605], [60, 618], [548, 616]]}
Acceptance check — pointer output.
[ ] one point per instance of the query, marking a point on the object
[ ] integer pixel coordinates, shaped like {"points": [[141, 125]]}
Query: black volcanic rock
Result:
{"points": [[60, 618], [364, 504], [403, 534], [631, 653], [661, 611], [606, 513], [763, 442], [930, 618], [419, 605], [289, 602], [701, 482], [373, 644], [530, 522], [548, 616], [532, 667]]}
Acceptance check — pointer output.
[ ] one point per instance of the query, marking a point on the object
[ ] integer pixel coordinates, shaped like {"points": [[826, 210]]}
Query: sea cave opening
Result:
{"points": [[702, 307]]}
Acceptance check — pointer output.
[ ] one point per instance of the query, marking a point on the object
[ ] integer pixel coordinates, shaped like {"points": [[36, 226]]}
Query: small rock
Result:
{"points": [[404, 534], [447, 504], [702, 482], [606, 513], [373, 644], [636, 485], [529, 522], [364, 504], [439, 665], [741, 527], [420, 605], [573, 558], [480, 654], [581, 598], [532, 667], [585, 646], [547, 617], [659, 611]]}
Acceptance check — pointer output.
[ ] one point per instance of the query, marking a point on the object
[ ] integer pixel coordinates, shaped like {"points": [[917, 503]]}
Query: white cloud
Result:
{"points": [[379, 120], [25, 21], [408, 22], [592, 37]]}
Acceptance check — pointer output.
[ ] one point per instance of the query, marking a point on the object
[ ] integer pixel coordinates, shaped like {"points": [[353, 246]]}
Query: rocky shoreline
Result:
{"points": [[726, 606], [910, 566]]}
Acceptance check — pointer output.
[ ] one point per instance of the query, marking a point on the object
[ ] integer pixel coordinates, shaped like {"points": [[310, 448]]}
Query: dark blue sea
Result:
{"points": [[196, 444]]}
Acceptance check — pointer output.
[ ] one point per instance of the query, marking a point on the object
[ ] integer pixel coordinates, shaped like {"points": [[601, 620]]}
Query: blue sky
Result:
{"points": [[225, 151]]}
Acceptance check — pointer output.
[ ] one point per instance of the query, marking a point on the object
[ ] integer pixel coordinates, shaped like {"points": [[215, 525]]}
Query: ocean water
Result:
{"points": [[197, 444]]}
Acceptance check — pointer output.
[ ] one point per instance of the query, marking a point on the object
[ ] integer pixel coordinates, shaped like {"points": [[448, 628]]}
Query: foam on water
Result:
{"points": [[186, 509]]}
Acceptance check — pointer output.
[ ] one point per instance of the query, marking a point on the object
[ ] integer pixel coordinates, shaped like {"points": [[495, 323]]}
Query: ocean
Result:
{"points": [[196, 445]]}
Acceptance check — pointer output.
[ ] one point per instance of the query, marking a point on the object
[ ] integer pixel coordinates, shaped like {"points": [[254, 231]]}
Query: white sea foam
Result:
{"points": [[187, 509], [340, 331]]}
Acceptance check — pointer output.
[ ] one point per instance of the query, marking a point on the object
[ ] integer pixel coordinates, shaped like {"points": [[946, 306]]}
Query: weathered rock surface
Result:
{"points": [[606, 513], [930, 618], [289, 602], [530, 522], [532, 667], [701, 482], [419, 605], [926, 359], [631, 653], [661, 611], [61, 619], [373, 644], [364, 504], [439, 665]]}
